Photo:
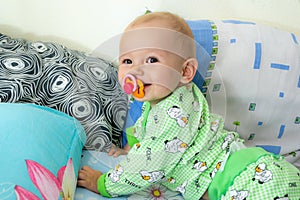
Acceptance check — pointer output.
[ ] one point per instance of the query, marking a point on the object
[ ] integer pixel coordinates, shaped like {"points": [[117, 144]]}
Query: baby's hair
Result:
{"points": [[176, 22]]}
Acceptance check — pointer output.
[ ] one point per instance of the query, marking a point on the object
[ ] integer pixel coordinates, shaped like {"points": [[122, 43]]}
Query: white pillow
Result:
{"points": [[255, 81]]}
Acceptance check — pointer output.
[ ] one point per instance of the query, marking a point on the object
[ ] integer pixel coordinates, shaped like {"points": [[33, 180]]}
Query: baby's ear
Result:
{"points": [[190, 67]]}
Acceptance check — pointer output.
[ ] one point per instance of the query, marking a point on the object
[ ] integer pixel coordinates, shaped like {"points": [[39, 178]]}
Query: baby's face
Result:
{"points": [[128, 62]]}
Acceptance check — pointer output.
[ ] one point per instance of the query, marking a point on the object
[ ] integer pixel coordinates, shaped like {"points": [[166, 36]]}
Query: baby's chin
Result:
{"points": [[157, 99], [154, 94]]}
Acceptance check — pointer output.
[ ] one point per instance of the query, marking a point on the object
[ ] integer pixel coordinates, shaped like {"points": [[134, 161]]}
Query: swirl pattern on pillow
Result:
{"points": [[70, 81]]}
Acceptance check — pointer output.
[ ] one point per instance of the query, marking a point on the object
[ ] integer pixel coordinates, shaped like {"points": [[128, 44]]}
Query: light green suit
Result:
{"points": [[177, 143]]}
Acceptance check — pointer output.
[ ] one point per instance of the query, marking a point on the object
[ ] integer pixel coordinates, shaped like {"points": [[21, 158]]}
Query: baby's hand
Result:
{"points": [[88, 178], [116, 151]]}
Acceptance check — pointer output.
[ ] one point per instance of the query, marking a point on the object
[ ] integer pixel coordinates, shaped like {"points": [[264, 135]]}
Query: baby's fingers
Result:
{"points": [[112, 150], [116, 154]]}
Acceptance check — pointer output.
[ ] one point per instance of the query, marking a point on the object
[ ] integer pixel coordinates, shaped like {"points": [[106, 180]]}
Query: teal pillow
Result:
{"points": [[40, 152]]}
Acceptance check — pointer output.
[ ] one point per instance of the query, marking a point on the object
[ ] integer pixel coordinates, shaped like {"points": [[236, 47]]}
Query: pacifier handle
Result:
{"points": [[129, 84], [139, 92], [132, 85]]}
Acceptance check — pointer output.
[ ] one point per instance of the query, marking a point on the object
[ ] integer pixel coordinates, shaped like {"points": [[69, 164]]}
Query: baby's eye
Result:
{"points": [[152, 60], [127, 61]]}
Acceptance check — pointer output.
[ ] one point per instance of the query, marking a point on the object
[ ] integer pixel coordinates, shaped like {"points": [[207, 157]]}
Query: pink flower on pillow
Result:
{"points": [[156, 192], [49, 186]]}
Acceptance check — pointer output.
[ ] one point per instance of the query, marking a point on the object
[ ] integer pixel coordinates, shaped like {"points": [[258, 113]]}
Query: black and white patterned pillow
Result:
{"points": [[81, 85]]}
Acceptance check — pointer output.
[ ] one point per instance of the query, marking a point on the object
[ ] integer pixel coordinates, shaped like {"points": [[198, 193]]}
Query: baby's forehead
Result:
{"points": [[157, 38], [149, 52]]}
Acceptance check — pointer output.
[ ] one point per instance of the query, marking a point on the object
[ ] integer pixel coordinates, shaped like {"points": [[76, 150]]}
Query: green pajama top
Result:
{"points": [[179, 144], [176, 143]]}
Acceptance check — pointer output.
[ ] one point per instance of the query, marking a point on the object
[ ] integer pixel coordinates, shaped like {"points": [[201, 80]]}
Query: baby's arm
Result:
{"points": [[116, 151], [88, 178]]}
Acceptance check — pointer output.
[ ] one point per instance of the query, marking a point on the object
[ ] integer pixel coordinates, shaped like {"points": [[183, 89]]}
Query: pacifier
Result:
{"points": [[134, 86]]}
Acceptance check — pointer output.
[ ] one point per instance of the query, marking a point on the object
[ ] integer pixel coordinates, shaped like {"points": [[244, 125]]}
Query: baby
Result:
{"points": [[177, 142]]}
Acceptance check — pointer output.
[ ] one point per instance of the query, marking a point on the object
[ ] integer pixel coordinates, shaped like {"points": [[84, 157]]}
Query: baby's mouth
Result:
{"points": [[146, 85], [134, 86]]}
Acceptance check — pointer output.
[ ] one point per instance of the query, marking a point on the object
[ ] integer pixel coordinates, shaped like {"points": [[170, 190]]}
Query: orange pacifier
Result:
{"points": [[134, 86]]}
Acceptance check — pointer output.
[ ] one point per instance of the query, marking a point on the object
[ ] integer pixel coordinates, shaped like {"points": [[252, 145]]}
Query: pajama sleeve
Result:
{"points": [[102, 179], [101, 186], [130, 138]]}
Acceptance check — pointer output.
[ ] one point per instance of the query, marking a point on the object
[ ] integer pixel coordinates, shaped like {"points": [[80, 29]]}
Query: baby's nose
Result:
{"points": [[136, 70]]}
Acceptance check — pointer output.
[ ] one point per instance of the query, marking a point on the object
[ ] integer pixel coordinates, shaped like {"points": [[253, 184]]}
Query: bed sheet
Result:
{"points": [[99, 161]]}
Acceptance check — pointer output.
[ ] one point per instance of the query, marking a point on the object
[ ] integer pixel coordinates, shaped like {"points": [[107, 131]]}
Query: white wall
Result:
{"points": [[85, 24]]}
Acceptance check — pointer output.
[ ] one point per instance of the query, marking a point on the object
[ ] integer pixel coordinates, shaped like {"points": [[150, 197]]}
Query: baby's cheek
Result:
{"points": [[120, 77], [121, 74]]}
